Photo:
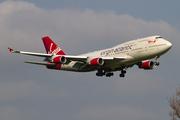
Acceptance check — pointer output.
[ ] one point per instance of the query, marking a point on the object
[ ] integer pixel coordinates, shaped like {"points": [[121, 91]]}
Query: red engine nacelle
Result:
{"points": [[148, 65], [96, 62], [59, 60]]}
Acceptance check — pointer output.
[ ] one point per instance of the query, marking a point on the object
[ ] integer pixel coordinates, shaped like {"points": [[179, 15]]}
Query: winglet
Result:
{"points": [[10, 49]]}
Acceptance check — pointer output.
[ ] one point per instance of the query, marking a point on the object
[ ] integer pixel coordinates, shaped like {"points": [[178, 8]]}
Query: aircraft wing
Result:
{"points": [[114, 58], [30, 53], [73, 58], [82, 58], [68, 57]]}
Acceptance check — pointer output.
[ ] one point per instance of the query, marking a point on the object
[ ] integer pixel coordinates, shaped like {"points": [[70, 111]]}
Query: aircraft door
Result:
{"points": [[146, 48]]}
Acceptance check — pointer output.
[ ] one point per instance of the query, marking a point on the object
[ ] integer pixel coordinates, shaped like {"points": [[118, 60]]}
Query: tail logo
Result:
{"points": [[53, 51]]}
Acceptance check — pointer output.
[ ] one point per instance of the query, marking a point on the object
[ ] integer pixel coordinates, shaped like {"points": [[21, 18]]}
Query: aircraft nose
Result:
{"points": [[169, 45]]}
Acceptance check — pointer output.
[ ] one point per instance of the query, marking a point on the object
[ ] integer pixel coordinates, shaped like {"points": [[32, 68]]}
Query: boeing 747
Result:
{"points": [[105, 62]]}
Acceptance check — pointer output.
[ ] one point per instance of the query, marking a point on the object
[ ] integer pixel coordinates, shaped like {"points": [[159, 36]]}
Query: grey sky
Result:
{"points": [[149, 10], [33, 92]]}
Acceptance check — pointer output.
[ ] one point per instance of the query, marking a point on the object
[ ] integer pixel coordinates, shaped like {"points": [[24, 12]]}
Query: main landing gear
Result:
{"points": [[109, 74], [123, 72], [101, 73]]}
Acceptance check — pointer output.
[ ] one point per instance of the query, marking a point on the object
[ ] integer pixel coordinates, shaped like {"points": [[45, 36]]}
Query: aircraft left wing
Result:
{"points": [[80, 58], [68, 57], [73, 58], [30, 53]]}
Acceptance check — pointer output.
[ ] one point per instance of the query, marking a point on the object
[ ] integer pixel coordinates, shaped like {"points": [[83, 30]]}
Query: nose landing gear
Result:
{"points": [[157, 63]]}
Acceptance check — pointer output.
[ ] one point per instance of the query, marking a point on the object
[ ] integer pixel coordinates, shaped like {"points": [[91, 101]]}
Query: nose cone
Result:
{"points": [[168, 44], [163, 46]]}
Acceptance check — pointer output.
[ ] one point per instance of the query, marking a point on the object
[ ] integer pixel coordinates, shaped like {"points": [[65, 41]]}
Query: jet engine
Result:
{"points": [[96, 62], [59, 60], [147, 65]]}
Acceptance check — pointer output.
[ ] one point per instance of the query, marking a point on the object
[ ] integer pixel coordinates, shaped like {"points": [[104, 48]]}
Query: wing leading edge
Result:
{"points": [[69, 57], [30, 53]]}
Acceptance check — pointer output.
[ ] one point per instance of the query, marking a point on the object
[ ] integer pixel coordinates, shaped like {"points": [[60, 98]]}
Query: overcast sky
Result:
{"points": [[31, 92]]}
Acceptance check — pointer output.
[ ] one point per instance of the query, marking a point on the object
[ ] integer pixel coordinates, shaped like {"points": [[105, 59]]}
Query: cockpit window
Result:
{"points": [[158, 37]]}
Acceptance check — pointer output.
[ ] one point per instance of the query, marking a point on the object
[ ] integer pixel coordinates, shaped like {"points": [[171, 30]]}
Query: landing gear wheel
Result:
{"points": [[123, 72], [99, 74], [157, 63], [109, 74], [121, 75]]}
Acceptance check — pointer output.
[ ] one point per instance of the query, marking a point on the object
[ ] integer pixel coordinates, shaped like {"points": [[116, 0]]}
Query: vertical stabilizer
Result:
{"points": [[51, 47]]}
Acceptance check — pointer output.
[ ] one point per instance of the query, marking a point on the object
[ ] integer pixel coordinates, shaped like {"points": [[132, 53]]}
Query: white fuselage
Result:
{"points": [[135, 51]]}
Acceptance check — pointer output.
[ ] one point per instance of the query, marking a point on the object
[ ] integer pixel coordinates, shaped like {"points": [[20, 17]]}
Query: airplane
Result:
{"points": [[105, 62]]}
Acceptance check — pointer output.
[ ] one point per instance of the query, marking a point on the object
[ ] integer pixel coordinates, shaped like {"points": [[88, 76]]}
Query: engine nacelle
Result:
{"points": [[96, 62], [147, 65], [59, 60]]}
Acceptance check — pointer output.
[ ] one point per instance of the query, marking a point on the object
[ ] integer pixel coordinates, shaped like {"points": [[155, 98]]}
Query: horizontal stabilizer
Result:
{"points": [[41, 63]]}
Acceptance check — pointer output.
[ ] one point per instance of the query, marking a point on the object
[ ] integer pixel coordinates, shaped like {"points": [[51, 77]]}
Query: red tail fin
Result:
{"points": [[51, 47]]}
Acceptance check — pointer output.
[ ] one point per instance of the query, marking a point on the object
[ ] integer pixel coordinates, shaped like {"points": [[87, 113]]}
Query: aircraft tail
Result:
{"points": [[51, 47]]}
